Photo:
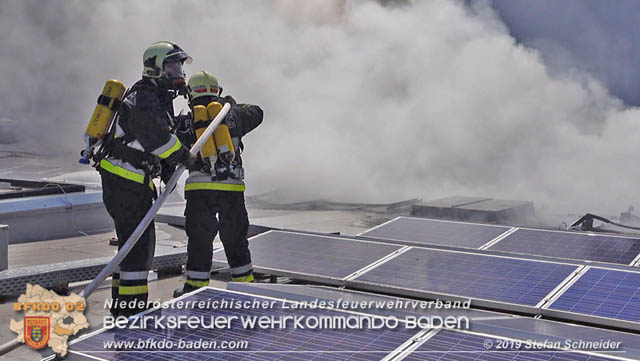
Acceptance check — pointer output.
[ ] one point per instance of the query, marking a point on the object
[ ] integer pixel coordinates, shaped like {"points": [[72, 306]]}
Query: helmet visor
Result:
{"points": [[177, 54], [173, 69]]}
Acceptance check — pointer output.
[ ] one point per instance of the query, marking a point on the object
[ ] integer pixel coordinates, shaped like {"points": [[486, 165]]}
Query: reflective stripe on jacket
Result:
{"points": [[124, 170]]}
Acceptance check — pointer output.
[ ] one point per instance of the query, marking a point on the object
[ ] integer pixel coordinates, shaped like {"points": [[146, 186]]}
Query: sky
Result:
{"points": [[593, 36], [363, 100]]}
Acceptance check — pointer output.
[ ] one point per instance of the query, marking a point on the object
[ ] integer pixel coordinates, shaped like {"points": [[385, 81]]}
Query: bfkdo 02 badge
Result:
{"points": [[36, 331]]}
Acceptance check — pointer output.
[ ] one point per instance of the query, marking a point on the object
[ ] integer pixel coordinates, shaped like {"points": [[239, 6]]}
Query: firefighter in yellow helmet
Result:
{"points": [[214, 192], [140, 147]]}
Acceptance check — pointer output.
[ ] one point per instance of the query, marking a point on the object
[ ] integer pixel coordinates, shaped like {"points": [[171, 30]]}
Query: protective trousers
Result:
{"points": [[127, 203], [202, 225]]}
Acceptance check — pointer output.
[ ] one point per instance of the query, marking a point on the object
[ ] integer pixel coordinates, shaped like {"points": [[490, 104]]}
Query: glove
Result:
{"points": [[192, 160], [229, 99]]}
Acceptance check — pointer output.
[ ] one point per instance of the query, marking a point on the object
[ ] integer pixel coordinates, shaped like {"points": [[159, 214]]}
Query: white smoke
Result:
{"points": [[362, 101]]}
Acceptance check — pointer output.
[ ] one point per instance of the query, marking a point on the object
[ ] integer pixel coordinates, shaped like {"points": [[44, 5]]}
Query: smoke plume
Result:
{"points": [[363, 100]]}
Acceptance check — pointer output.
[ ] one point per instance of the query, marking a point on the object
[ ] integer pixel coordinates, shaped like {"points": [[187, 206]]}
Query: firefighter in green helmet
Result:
{"points": [[140, 147]]}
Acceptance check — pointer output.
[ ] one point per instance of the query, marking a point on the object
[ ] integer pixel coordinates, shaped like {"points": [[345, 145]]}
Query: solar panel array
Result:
{"points": [[501, 282], [600, 248], [294, 343], [604, 293], [500, 279], [418, 231], [452, 345], [485, 322], [612, 294]]}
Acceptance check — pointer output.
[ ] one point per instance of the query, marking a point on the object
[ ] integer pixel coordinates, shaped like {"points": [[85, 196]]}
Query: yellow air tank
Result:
{"points": [[104, 111], [102, 117], [221, 135], [208, 150]]}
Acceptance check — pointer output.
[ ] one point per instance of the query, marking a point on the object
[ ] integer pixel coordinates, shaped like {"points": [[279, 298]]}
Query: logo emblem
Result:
{"points": [[36, 331]]}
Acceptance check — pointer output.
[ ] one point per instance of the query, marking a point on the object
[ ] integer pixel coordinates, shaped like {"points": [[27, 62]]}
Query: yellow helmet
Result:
{"points": [[202, 84]]}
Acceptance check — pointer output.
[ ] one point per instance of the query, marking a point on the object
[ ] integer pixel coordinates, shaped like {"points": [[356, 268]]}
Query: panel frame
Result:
{"points": [[377, 263], [498, 239], [636, 261], [363, 236], [412, 344], [378, 226], [563, 287], [331, 280], [477, 302]]}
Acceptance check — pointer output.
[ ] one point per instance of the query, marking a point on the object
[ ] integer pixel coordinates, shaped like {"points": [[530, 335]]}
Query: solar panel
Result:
{"points": [[309, 254], [421, 231], [263, 344], [452, 345], [604, 293], [501, 279], [600, 248]]}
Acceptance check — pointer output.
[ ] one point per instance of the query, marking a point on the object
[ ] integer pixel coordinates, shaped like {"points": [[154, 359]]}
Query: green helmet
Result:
{"points": [[155, 56], [202, 84]]}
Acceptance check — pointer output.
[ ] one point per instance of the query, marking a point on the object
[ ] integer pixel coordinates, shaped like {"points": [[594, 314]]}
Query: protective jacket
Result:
{"points": [[242, 119], [142, 140]]}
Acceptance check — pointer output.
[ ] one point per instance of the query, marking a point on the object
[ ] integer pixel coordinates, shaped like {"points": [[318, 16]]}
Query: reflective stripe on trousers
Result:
{"points": [[242, 270], [133, 290], [133, 283], [198, 275], [197, 283], [137, 275]]}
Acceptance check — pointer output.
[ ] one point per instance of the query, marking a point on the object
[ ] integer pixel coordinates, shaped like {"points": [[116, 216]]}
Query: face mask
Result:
{"points": [[174, 76], [173, 70]]}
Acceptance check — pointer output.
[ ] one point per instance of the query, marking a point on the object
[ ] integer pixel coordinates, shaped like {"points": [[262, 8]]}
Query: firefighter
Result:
{"points": [[215, 187], [140, 147]]}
